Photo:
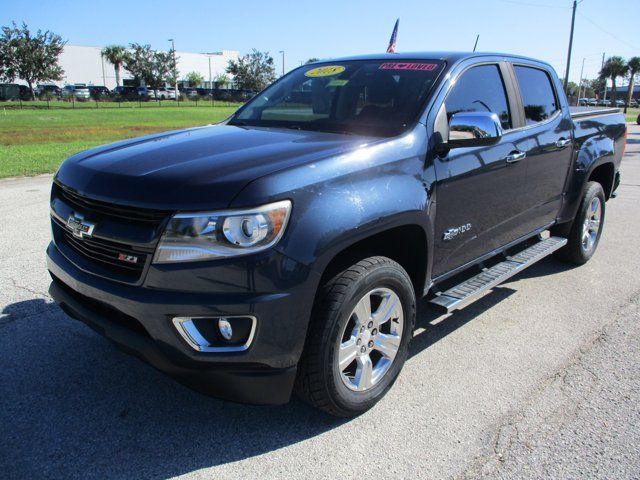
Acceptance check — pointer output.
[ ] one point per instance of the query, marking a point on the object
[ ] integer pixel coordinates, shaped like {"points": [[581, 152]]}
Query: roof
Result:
{"points": [[449, 57]]}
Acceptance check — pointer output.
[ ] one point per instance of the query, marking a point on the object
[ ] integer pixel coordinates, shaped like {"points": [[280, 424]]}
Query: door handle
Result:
{"points": [[563, 142], [514, 157]]}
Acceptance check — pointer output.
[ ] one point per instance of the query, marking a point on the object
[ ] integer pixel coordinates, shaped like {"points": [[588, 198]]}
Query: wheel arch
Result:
{"points": [[604, 173], [407, 245]]}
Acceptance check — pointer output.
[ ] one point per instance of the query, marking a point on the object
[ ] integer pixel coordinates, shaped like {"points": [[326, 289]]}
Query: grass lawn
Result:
{"points": [[632, 114], [36, 141]]}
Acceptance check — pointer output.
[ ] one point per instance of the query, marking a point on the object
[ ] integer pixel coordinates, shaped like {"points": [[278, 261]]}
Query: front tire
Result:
{"points": [[358, 337], [586, 228]]}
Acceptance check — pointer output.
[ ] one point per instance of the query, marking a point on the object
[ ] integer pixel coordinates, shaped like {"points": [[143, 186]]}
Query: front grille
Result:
{"points": [[99, 208], [108, 255], [120, 246]]}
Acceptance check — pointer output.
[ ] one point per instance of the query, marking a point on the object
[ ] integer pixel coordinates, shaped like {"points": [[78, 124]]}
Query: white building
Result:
{"points": [[82, 64]]}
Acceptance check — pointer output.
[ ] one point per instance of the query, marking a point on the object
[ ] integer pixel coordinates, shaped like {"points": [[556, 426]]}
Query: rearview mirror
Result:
{"points": [[474, 129]]}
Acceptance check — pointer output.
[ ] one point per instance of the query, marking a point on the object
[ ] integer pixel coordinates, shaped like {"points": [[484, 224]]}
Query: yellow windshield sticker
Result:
{"points": [[337, 82], [326, 71]]}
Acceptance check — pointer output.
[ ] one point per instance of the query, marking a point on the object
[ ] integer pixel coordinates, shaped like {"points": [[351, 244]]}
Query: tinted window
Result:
{"points": [[537, 94], [480, 89], [372, 97]]}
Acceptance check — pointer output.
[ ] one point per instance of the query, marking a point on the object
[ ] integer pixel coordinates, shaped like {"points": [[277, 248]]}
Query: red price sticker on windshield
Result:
{"points": [[421, 67]]}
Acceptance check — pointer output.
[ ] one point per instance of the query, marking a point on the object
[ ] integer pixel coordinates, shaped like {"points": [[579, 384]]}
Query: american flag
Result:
{"points": [[394, 36]]}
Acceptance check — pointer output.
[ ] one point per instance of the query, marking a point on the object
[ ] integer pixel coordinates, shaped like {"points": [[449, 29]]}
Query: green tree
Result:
{"points": [[154, 68], [173, 67], [28, 56], [633, 65], [597, 85], [572, 89], [613, 68], [254, 71], [221, 80], [587, 89], [117, 56], [195, 79]]}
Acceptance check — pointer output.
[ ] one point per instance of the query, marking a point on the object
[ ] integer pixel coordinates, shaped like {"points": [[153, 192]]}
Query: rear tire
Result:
{"points": [[586, 228], [358, 337]]}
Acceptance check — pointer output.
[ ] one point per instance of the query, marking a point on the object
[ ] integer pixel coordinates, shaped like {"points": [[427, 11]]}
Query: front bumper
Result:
{"points": [[139, 319]]}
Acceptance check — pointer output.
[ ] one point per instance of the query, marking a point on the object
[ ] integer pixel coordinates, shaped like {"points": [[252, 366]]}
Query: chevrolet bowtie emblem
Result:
{"points": [[79, 227]]}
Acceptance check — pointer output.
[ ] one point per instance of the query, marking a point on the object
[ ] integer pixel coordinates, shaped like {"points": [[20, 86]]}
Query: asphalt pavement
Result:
{"points": [[538, 379]]}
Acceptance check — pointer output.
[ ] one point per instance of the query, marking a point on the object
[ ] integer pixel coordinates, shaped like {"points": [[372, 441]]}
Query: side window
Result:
{"points": [[538, 97], [480, 89]]}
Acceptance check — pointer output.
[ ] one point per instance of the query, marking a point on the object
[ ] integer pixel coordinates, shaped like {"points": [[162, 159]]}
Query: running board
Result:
{"points": [[473, 288]]}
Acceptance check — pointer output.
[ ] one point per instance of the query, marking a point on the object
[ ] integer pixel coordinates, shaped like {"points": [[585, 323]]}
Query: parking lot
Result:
{"points": [[538, 379]]}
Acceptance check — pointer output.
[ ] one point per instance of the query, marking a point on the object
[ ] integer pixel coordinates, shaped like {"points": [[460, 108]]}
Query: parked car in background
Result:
{"points": [[25, 93], [633, 103], [583, 102], [48, 90], [125, 93], [14, 91], [620, 103], [593, 102], [98, 92], [604, 103], [146, 93], [80, 92], [166, 94], [190, 92], [204, 92]]}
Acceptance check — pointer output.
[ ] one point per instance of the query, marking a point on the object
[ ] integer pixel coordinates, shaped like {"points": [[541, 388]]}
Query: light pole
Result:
{"points": [[580, 83], [210, 80], [604, 99], [282, 52], [573, 21], [175, 68]]}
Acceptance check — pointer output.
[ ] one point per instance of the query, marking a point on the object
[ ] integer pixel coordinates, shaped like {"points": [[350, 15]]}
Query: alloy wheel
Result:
{"points": [[591, 225], [371, 339]]}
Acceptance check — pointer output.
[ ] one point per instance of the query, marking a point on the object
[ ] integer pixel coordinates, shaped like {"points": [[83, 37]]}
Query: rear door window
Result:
{"points": [[538, 96], [480, 89]]}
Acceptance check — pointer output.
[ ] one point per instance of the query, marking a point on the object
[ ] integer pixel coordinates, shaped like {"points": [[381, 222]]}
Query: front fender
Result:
{"points": [[342, 200]]}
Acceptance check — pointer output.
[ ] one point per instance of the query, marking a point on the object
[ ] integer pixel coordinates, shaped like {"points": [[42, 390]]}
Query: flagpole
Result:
{"points": [[394, 37]]}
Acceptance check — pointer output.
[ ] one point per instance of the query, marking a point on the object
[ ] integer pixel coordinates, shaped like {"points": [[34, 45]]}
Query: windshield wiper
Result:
{"points": [[318, 128]]}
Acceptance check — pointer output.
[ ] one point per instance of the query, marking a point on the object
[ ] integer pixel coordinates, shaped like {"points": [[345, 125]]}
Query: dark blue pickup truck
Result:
{"points": [[285, 249]]}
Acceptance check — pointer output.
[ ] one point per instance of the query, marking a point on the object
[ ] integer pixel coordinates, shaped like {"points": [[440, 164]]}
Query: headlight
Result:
{"points": [[205, 236]]}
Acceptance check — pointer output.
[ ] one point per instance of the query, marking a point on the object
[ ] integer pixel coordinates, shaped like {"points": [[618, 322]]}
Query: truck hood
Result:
{"points": [[196, 169]]}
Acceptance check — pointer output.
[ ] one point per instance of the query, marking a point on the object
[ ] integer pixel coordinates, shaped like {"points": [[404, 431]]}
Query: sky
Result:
{"points": [[334, 28]]}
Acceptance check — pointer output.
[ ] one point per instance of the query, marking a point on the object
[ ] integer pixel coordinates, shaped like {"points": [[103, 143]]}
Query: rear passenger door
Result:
{"points": [[479, 189], [549, 130]]}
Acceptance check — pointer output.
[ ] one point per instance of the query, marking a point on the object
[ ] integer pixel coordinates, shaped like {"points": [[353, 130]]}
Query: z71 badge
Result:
{"points": [[454, 232]]}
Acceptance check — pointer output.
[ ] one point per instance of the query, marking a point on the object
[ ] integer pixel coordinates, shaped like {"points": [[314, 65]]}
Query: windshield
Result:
{"points": [[372, 97]]}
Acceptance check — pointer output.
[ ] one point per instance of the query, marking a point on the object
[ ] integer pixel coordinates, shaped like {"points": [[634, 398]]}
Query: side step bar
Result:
{"points": [[473, 288]]}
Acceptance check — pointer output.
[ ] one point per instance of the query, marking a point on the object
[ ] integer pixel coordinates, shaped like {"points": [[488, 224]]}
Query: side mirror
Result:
{"points": [[474, 129]]}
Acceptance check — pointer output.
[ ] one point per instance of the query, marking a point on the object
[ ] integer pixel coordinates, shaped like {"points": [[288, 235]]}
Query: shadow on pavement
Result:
{"points": [[73, 406]]}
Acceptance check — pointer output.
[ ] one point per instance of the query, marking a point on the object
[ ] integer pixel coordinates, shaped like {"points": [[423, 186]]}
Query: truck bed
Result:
{"points": [[578, 112]]}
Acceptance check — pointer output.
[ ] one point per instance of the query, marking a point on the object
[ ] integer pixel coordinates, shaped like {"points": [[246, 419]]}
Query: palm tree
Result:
{"points": [[116, 55], [634, 67], [613, 68]]}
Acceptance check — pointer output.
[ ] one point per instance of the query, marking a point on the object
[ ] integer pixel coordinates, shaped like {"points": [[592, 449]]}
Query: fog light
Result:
{"points": [[231, 333], [225, 328]]}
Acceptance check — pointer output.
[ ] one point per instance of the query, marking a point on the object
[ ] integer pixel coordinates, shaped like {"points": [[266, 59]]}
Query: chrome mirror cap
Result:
{"points": [[472, 129]]}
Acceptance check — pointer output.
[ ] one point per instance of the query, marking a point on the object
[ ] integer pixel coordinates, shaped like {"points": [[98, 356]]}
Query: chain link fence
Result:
{"points": [[192, 99]]}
